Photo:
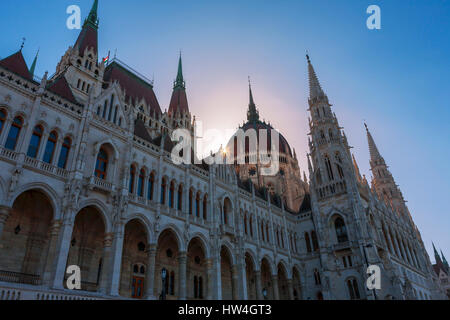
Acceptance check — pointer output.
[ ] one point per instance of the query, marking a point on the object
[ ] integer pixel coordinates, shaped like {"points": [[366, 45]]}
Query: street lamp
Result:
{"points": [[264, 292], [163, 277]]}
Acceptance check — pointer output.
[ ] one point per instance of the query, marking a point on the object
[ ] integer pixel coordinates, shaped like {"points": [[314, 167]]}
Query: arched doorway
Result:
{"points": [[226, 269], [266, 280], [87, 247], [167, 255], [251, 277], [134, 260], [197, 276], [283, 288], [24, 242]]}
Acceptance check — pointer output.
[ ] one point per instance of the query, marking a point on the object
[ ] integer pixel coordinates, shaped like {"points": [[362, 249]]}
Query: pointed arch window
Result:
{"points": [[171, 194], [163, 191], [262, 231], [190, 201], [250, 226], [308, 242], [132, 176], [315, 242], [64, 153], [102, 164], [205, 207], [353, 290], [50, 147], [245, 223], [35, 141], [14, 132], [267, 233], [329, 168], [141, 180], [180, 197], [317, 279], [3, 115], [151, 183], [341, 230], [197, 204]]}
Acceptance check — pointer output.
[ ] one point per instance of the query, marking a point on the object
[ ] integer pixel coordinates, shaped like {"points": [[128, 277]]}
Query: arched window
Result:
{"points": [[353, 290], [2, 119], [282, 239], [64, 153], [180, 197], [50, 147], [329, 168], [341, 230], [262, 231], [171, 194], [13, 134], [308, 242], [226, 210], [245, 223], [151, 183], [197, 204], [205, 207], [267, 233], [314, 240], [190, 201], [101, 164], [132, 176], [250, 225], [141, 183], [35, 141], [317, 280], [278, 238], [163, 191]]}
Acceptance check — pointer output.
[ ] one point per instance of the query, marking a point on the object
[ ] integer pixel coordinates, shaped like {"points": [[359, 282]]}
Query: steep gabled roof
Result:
{"points": [[16, 63], [140, 130], [88, 37], [178, 102], [60, 87], [135, 87]]}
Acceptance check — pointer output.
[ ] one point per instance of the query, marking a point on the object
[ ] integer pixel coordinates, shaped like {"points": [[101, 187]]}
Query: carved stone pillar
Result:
{"points": [[235, 282], [210, 279], [182, 261], [150, 277], [114, 270], [51, 252], [4, 215], [276, 293], [107, 262], [61, 254], [259, 294], [290, 289]]}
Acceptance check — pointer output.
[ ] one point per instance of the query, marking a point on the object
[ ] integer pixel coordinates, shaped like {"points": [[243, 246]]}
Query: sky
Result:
{"points": [[396, 78]]}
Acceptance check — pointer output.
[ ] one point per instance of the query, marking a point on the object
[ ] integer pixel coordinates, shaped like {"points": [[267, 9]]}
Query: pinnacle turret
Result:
{"points": [[33, 65], [252, 113], [375, 155], [315, 90]]}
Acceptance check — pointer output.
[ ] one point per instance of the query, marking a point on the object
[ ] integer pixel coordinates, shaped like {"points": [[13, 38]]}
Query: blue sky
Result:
{"points": [[395, 78]]}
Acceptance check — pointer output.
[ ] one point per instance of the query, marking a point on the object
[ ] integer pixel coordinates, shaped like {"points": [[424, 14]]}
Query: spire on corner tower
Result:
{"points": [[436, 255], [88, 37], [178, 102], [315, 90], [252, 113], [375, 155], [33, 65]]}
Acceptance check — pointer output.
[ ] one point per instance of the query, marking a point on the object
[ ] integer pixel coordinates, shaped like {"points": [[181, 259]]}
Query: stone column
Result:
{"points": [[276, 293], [51, 252], [210, 280], [182, 261], [218, 278], [107, 263], [114, 271], [242, 281], [259, 294], [235, 282], [61, 254], [150, 276], [4, 214], [290, 289]]}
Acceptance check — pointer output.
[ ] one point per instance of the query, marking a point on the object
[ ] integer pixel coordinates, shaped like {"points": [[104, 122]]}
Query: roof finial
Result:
{"points": [[23, 43], [179, 82]]}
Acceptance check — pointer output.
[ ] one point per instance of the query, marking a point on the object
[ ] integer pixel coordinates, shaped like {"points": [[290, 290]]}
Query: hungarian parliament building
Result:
{"points": [[87, 183]]}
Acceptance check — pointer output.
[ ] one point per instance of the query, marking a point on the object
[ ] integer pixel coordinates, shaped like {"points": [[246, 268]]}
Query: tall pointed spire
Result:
{"points": [[436, 254], [444, 261], [374, 153], [179, 82], [33, 65], [252, 113], [178, 102], [355, 165], [93, 16], [315, 90]]}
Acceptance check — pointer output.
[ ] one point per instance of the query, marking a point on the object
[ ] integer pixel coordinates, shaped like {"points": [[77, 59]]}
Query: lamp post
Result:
{"points": [[264, 292], [367, 263], [163, 277]]}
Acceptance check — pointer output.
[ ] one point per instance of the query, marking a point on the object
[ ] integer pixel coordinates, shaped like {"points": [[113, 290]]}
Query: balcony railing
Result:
{"points": [[8, 154], [47, 167], [17, 277]]}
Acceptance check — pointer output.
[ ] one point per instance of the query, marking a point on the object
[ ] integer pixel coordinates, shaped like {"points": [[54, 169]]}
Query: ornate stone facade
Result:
{"points": [[87, 179]]}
